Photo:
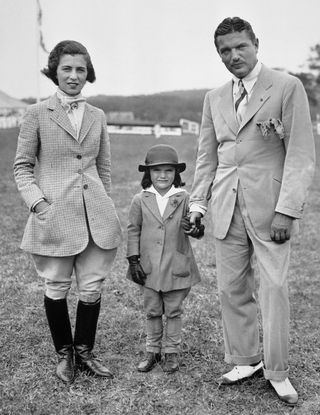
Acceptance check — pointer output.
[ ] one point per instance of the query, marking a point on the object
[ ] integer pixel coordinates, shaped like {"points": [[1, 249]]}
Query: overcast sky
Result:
{"points": [[146, 46]]}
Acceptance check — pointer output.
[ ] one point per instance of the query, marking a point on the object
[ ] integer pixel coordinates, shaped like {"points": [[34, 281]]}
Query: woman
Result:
{"points": [[73, 225]]}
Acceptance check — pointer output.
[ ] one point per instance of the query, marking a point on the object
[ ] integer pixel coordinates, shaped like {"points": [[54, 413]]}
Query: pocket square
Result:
{"points": [[272, 124]]}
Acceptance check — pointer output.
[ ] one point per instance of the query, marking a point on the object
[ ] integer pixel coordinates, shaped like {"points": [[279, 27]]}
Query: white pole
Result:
{"points": [[37, 52]]}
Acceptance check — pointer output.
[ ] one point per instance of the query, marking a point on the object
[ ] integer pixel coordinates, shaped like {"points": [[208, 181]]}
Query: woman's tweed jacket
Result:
{"points": [[165, 251], [73, 176]]}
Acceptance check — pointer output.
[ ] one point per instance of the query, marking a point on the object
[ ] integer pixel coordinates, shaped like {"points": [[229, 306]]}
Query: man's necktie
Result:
{"points": [[242, 92]]}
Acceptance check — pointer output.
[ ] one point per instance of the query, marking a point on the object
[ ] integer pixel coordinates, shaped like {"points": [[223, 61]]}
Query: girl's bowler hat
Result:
{"points": [[162, 154]]}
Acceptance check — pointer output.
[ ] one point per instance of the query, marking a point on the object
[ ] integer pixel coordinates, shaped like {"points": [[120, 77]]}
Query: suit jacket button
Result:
{"points": [[79, 156], [85, 186]]}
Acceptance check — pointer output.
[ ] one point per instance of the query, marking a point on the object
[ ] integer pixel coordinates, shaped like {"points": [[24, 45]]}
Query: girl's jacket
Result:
{"points": [[165, 251]]}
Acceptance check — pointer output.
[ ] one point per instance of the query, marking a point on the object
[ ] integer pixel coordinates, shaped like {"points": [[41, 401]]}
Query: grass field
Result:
{"points": [[27, 380]]}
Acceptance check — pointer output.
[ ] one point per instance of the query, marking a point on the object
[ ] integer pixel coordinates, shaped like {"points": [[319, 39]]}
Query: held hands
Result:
{"points": [[136, 270], [281, 228], [192, 225]]}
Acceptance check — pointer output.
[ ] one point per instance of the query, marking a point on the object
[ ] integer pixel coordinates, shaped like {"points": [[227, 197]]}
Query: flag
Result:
{"points": [[41, 41]]}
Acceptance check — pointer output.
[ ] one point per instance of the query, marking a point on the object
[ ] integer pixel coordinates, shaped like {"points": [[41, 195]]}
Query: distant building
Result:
{"points": [[120, 116], [189, 127]]}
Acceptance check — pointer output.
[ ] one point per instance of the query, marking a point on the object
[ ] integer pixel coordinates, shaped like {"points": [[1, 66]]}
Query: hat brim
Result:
{"points": [[179, 166]]}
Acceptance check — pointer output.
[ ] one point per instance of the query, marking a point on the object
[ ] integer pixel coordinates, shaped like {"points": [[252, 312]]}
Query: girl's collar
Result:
{"points": [[172, 191]]}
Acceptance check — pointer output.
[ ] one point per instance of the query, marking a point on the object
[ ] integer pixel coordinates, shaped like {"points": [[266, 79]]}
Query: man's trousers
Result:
{"points": [[240, 256]]}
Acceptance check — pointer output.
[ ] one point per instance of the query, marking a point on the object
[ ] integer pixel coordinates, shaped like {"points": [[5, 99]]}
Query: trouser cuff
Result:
{"points": [[242, 360], [153, 349], [276, 375], [172, 350]]}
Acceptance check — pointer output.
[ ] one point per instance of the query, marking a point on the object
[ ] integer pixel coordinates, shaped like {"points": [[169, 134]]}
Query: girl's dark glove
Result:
{"points": [[136, 270], [196, 231], [185, 223], [199, 231]]}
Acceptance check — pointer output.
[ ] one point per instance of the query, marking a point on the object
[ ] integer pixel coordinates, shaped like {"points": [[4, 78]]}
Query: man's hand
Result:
{"points": [[136, 270], [281, 228]]}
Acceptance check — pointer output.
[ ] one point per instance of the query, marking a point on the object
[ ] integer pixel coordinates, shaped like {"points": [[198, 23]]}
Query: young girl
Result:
{"points": [[160, 254]]}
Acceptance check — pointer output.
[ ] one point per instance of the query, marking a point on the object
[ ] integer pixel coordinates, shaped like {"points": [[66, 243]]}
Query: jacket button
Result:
{"points": [[85, 186], [234, 190], [79, 171], [79, 156]]}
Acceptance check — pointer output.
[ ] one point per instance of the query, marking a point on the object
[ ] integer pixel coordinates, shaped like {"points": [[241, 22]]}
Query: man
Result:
{"points": [[256, 159]]}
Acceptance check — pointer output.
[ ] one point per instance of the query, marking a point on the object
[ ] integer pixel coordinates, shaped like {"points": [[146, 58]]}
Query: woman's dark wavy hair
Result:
{"points": [[67, 47], [231, 25], [146, 179]]}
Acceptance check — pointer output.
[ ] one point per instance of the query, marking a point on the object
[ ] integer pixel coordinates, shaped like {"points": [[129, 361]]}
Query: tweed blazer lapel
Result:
{"points": [[173, 203], [260, 94], [226, 108], [59, 115], [150, 201], [87, 121]]}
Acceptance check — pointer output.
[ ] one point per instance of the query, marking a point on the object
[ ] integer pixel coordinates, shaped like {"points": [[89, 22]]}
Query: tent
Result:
{"points": [[10, 103], [11, 111]]}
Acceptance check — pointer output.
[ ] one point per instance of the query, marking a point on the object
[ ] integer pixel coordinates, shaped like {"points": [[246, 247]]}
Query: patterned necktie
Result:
{"points": [[69, 105], [242, 92]]}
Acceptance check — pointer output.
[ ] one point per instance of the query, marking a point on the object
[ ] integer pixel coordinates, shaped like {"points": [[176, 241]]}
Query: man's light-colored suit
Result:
{"points": [[256, 170], [72, 175]]}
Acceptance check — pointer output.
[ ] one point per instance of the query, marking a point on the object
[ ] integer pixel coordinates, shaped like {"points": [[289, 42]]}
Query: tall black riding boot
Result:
{"points": [[85, 333], [59, 323]]}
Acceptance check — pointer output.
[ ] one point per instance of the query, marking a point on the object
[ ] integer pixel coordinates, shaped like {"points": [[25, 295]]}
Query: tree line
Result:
{"points": [[171, 106]]}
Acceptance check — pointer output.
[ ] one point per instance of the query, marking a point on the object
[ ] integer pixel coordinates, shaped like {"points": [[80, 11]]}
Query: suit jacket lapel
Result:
{"points": [[150, 201], [87, 121], [173, 202], [226, 103], [59, 115], [260, 94]]}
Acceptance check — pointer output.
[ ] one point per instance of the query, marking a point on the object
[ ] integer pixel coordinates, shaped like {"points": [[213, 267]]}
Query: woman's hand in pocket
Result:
{"points": [[41, 206]]}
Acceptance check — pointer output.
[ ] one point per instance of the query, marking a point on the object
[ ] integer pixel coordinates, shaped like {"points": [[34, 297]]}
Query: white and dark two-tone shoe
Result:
{"points": [[239, 373], [285, 391]]}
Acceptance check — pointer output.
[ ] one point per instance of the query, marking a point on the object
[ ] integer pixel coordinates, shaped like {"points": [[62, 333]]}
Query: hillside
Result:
{"points": [[160, 107], [167, 106]]}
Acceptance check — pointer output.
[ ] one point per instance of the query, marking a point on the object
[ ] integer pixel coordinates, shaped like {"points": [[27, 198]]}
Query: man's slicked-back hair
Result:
{"points": [[67, 47], [231, 25]]}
